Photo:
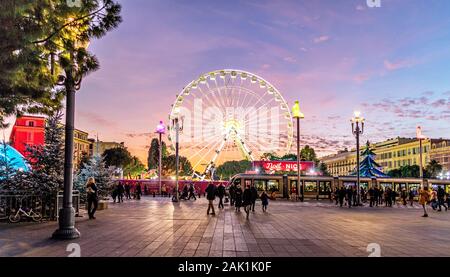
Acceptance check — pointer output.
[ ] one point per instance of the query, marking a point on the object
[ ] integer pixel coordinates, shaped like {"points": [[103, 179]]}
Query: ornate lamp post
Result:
{"points": [[178, 129], [161, 130], [420, 137], [357, 129], [296, 113]]}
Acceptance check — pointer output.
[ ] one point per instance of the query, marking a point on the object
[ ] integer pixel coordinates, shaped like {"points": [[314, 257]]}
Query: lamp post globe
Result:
{"points": [[160, 130], [357, 130], [297, 114]]}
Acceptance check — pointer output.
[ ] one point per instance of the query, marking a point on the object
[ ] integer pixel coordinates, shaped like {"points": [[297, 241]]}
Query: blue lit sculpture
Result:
{"points": [[12, 157]]}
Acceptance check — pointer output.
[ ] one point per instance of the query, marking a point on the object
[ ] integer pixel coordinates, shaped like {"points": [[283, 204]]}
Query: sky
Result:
{"points": [[391, 62]]}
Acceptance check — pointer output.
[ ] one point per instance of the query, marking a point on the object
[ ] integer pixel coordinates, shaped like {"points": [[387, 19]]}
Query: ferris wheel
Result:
{"points": [[230, 115]]}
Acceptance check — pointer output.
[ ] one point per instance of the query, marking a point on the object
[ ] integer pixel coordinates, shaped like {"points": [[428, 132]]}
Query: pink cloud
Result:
{"points": [[397, 65], [321, 39]]}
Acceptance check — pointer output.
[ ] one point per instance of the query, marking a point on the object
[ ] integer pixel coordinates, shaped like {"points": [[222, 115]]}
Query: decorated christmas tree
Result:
{"points": [[368, 167]]}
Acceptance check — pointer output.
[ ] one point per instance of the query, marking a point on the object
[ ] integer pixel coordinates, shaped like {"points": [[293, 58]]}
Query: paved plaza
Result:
{"points": [[155, 227]]}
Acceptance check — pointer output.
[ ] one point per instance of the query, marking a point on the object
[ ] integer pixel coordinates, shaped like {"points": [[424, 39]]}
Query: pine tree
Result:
{"points": [[368, 167], [153, 153], [102, 175]]}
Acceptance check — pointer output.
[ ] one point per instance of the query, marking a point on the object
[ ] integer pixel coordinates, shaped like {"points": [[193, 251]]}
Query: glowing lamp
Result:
{"points": [[161, 128], [296, 112]]}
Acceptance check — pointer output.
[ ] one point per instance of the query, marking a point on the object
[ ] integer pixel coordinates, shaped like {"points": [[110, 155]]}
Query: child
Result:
{"points": [[264, 200]]}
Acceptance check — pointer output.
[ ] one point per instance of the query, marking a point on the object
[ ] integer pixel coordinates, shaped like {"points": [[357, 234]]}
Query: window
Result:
{"points": [[31, 123], [260, 185], [273, 185], [310, 186]]}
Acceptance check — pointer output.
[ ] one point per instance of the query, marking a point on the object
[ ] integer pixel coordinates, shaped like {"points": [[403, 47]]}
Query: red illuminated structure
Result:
{"points": [[28, 130], [272, 166]]}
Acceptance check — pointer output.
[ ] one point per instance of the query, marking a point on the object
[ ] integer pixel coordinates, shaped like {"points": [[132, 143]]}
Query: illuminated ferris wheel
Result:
{"points": [[230, 115]]}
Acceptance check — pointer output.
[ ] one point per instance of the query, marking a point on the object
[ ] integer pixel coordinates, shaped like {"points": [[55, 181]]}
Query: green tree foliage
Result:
{"points": [[228, 169], [41, 39], [433, 169], [307, 153], [153, 153], [118, 157], [323, 169], [134, 168], [102, 174], [169, 165]]}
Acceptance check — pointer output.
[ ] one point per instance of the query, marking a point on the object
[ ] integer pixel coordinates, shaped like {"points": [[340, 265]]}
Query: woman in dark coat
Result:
{"points": [[138, 191], [238, 198], [247, 200], [254, 197], [264, 200]]}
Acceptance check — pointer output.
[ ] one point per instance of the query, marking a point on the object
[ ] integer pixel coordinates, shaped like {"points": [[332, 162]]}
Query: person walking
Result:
{"points": [[341, 196], [441, 198], [394, 197], [376, 194], [411, 197], [92, 197], [424, 198], [191, 192], [264, 200], [381, 195], [434, 199], [247, 200], [120, 192], [350, 196], [238, 198], [254, 197], [404, 195], [127, 191], [221, 194], [371, 193], [114, 192], [211, 196], [164, 190], [336, 195], [231, 191], [138, 191]]}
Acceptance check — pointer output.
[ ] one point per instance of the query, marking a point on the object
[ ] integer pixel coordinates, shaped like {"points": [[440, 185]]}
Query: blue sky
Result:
{"points": [[392, 63]]}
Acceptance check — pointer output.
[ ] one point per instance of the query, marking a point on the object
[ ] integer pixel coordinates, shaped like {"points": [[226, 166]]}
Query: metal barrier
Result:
{"points": [[47, 205], [75, 202]]}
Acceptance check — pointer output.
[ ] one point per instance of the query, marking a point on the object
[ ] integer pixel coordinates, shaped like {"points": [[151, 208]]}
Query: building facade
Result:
{"points": [[30, 130], [27, 131], [97, 147], [393, 154]]}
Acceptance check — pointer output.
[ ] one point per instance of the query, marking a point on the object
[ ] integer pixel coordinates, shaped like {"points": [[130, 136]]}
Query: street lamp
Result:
{"points": [[420, 137], [160, 129], [357, 129], [178, 129], [296, 113]]}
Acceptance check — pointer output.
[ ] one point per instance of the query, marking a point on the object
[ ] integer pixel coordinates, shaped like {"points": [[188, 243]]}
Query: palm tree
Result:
{"points": [[433, 168]]}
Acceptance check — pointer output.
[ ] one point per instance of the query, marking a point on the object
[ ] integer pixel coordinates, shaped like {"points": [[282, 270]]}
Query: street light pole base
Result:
{"points": [[66, 228], [66, 234]]}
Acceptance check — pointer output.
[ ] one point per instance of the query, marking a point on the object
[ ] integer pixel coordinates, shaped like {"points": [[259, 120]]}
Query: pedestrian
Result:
{"points": [[238, 198], [127, 191], [114, 193], [394, 196], [231, 191], [138, 191], [350, 196], [191, 192], [341, 196], [254, 196], [424, 198], [211, 196], [294, 193], [92, 197], [371, 193], [185, 193], [404, 196], [120, 192], [336, 195], [247, 200], [448, 199], [376, 193], [440, 197], [164, 190], [145, 190], [411, 197], [221, 194], [264, 200], [434, 200], [175, 193]]}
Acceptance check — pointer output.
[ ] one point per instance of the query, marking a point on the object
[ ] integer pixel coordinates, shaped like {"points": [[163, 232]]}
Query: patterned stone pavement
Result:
{"points": [[157, 227]]}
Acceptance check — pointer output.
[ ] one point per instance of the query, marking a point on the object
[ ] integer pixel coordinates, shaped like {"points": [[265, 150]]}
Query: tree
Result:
{"points": [[231, 168], [85, 159], [323, 169], [117, 157], [36, 34], [47, 161], [308, 154], [368, 167], [169, 165], [433, 169], [102, 174], [153, 153], [134, 167]]}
